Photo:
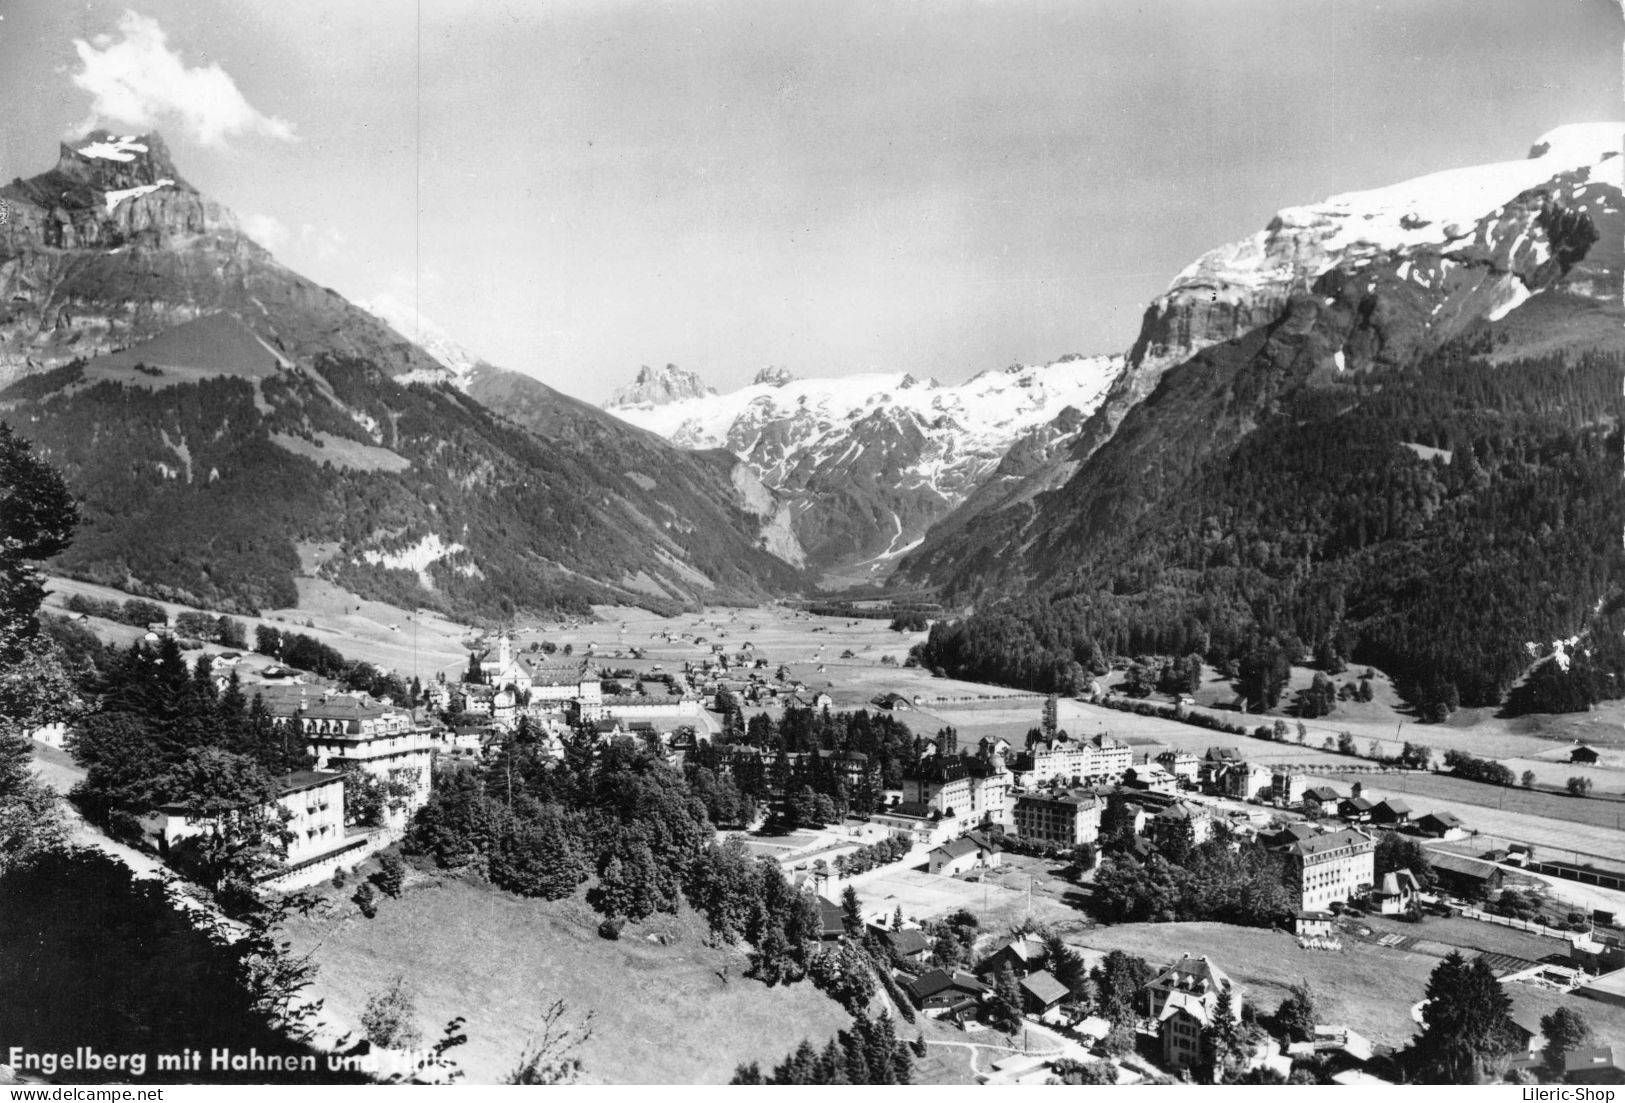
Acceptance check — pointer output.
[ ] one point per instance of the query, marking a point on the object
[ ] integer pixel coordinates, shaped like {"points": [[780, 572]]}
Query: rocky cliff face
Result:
{"points": [[1481, 219], [112, 246], [659, 387]]}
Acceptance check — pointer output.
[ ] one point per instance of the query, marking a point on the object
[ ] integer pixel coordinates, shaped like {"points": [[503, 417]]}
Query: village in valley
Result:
{"points": [[1116, 887]]}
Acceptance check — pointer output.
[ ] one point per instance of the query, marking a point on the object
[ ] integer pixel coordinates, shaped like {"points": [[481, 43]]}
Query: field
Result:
{"points": [[924, 895], [370, 631], [677, 1013], [1557, 826]]}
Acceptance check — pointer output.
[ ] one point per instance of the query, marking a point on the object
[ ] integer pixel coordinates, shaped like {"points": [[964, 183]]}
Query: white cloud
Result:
{"points": [[139, 81], [324, 241], [266, 229]]}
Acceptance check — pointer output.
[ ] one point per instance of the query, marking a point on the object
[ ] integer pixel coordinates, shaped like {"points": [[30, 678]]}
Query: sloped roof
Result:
{"points": [[1591, 1057], [936, 981], [1397, 882], [909, 941], [1044, 988], [961, 847], [1461, 865], [1190, 972], [1333, 840]]}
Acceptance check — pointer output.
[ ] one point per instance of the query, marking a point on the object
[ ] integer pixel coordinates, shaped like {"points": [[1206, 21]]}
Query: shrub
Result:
{"points": [[611, 928], [366, 900]]}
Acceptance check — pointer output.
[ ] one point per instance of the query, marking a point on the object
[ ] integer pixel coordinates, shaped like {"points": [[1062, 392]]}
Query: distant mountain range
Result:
{"points": [[865, 464], [230, 424]]}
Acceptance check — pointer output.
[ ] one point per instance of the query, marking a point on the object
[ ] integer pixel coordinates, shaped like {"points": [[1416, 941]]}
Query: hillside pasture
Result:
{"points": [[681, 1012]]}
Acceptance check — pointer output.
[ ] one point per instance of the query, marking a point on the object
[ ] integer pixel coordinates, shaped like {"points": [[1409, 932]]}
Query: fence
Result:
{"points": [[1517, 924]]}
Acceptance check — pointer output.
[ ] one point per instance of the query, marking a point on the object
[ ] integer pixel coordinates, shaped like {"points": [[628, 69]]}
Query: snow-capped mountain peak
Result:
{"points": [[873, 459]]}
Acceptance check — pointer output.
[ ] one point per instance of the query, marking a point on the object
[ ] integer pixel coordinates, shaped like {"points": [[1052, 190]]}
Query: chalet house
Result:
{"points": [[1182, 1000], [909, 943], [1396, 893], [1441, 825], [1391, 810], [896, 702], [962, 856], [940, 994], [1468, 878], [1320, 800], [1583, 755], [1023, 954], [1356, 809], [1041, 996]]}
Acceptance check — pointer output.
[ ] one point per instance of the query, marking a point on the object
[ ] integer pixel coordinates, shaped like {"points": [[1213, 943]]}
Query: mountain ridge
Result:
{"points": [[867, 462], [216, 411]]}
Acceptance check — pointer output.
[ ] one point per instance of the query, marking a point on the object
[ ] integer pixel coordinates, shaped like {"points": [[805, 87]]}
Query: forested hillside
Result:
{"points": [[1436, 520], [201, 491]]}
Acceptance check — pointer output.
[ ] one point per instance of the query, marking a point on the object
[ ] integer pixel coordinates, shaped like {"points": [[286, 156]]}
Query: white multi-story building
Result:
{"points": [[384, 740], [310, 808], [1326, 869], [1062, 819], [1067, 761], [961, 791]]}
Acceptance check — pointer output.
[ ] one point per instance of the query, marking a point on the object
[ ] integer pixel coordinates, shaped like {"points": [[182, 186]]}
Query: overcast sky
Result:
{"points": [[574, 189]]}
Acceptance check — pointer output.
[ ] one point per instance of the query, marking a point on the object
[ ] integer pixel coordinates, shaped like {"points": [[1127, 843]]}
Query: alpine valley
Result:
{"points": [[1384, 428]]}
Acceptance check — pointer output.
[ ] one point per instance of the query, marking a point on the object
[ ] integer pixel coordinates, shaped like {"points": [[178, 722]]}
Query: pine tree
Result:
{"points": [[1466, 1023], [1005, 1008], [851, 912]]}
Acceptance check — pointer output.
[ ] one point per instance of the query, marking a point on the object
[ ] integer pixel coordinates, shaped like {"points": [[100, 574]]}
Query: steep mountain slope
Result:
{"points": [[221, 414], [1509, 245], [1412, 456], [868, 462]]}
